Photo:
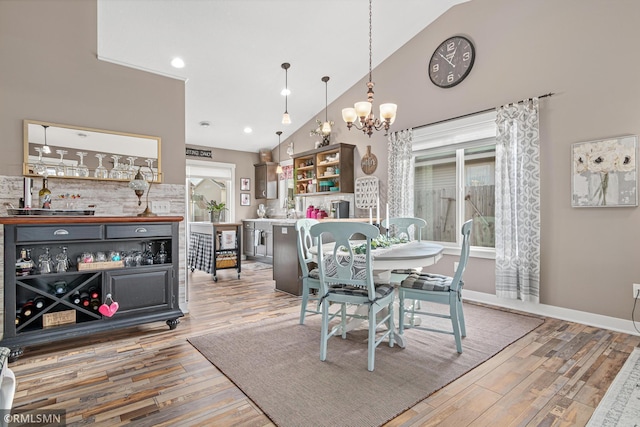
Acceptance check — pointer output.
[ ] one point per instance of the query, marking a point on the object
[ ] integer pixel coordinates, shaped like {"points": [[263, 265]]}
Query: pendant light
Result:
{"points": [[45, 147], [326, 126], [279, 168], [286, 120]]}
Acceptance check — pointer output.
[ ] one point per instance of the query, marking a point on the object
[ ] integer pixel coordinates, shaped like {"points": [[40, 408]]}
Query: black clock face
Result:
{"points": [[451, 62]]}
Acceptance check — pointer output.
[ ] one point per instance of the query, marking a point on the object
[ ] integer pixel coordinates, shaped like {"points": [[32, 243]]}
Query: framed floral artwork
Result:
{"points": [[605, 173], [245, 199], [245, 184]]}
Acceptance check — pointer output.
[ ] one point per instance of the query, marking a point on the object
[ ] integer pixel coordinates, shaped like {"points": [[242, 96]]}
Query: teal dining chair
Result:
{"points": [[347, 278], [440, 289], [310, 276]]}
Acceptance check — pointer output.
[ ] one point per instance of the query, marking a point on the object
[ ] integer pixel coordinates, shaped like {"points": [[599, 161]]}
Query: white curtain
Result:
{"points": [[400, 186], [517, 189]]}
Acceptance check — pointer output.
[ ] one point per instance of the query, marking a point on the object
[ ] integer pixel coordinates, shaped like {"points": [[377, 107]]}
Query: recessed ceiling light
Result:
{"points": [[248, 130], [205, 124], [177, 62], [285, 92]]}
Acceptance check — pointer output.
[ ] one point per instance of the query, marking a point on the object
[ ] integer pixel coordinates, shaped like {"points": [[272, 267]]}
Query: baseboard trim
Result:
{"points": [[591, 319]]}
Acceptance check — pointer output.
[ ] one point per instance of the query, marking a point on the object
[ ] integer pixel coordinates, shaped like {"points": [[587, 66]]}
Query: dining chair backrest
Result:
{"points": [[464, 255], [304, 243], [341, 264], [402, 225]]}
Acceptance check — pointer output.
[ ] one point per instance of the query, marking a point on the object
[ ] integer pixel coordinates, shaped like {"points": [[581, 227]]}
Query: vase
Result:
{"points": [[215, 216]]}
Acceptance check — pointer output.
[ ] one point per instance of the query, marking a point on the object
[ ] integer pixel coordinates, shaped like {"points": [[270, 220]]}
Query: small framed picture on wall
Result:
{"points": [[245, 199], [245, 184]]}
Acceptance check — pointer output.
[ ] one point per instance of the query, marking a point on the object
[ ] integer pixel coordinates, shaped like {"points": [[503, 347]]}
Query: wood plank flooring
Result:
{"points": [[150, 376]]}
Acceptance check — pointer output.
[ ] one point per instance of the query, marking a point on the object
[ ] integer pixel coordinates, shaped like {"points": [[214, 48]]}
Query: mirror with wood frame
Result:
{"points": [[66, 151]]}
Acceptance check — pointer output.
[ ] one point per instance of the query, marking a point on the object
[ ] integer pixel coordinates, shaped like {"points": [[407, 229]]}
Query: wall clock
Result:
{"points": [[451, 62]]}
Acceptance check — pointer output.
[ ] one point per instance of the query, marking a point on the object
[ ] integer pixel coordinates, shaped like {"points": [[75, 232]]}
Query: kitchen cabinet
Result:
{"points": [[266, 180], [325, 170], [261, 240], [145, 287], [248, 234]]}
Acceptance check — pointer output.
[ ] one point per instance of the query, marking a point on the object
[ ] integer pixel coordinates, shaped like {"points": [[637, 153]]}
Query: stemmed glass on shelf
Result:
{"points": [[101, 171], [82, 169], [150, 175], [131, 171], [61, 167], [40, 168], [115, 172]]}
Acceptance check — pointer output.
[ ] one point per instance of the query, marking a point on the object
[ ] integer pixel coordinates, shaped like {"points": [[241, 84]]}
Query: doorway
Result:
{"points": [[207, 182]]}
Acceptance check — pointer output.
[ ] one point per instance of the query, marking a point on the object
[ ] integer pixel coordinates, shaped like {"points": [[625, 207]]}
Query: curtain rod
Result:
{"points": [[480, 112]]}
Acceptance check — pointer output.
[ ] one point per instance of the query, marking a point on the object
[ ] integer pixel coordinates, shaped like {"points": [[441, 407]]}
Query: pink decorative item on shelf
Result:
{"points": [[310, 211]]}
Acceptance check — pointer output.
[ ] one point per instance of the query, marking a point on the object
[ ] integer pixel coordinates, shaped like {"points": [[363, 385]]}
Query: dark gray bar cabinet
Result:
{"points": [[146, 290]]}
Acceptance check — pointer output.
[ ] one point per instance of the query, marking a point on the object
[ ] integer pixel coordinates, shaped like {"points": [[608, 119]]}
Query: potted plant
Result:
{"points": [[215, 209]]}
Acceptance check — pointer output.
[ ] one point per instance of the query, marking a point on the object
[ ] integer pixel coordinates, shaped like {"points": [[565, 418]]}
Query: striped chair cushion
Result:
{"points": [[404, 271], [314, 274], [382, 290], [428, 282]]}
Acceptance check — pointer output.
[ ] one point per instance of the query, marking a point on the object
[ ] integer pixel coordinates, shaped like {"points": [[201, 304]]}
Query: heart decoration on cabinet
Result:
{"points": [[109, 309]]}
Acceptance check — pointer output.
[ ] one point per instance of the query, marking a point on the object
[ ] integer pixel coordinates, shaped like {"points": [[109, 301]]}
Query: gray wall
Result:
{"points": [[582, 50], [49, 71]]}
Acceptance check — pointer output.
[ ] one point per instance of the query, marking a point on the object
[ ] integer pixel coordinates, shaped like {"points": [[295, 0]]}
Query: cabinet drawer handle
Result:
{"points": [[141, 230], [60, 232]]}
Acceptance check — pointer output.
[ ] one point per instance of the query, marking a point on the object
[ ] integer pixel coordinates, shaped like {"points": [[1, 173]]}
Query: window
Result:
{"points": [[454, 179]]}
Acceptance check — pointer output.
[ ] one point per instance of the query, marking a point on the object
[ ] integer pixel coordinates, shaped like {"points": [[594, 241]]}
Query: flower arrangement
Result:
{"points": [[214, 206], [603, 158]]}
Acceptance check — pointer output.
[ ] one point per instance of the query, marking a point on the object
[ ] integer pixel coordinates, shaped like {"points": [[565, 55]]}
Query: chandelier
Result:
{"points": [[367, 122]]}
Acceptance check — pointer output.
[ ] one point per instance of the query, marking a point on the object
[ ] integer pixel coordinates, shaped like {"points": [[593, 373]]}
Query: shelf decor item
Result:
{"points": [[605, 173], [139, 185]]}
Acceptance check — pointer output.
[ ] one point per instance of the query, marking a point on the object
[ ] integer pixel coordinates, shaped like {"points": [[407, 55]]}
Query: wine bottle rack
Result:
{"points": [[145, 293]]}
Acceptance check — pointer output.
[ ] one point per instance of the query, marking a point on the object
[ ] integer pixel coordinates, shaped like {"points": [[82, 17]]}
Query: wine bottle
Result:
{"points": [[44, 195], [18, 319], [93, 293], [84, 299], [27, 309], [39, 302], [95, 304], [75, 298]]}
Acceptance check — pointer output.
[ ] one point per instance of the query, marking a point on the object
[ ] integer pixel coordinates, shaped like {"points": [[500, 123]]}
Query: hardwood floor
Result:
{"points": [[150, 376]]}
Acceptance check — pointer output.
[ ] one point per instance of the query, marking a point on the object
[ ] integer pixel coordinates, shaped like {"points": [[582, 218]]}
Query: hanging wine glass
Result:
{"points": [[40, 168], [61, 167], [101, 171], [82, 169], [150, 174], [115, 171], [131, 170]]}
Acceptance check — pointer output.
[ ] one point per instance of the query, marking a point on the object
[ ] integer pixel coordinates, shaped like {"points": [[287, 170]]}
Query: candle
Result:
{"points": [[387, 212], [378, 210]]}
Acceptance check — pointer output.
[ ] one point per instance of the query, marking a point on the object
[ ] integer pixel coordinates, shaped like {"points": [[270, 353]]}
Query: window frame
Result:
{"points": [[458, 135]]}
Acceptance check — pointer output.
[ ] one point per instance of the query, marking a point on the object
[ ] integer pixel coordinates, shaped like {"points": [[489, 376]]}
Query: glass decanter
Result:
{"points": [[82, 169], [101, 171], [45, 263], [62, 260], [147, 254], [40, 168], [162, 255], [61, 167]]}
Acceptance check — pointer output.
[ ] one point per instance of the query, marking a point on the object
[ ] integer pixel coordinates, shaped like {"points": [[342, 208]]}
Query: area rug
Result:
{"points": [[276, 364], [256, 266], [620, 405]]}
